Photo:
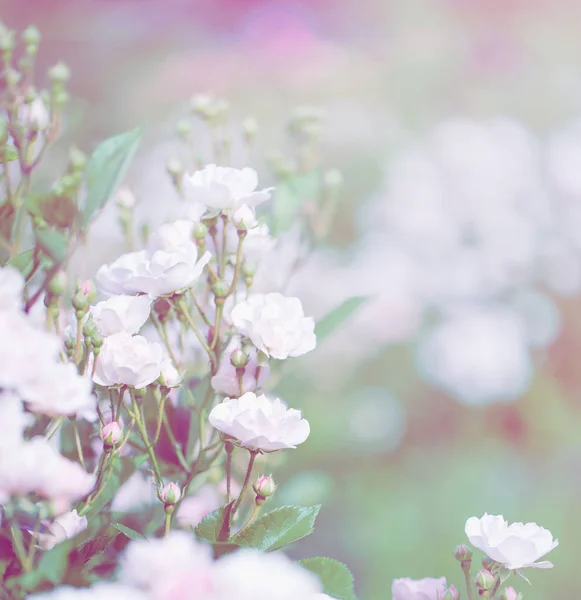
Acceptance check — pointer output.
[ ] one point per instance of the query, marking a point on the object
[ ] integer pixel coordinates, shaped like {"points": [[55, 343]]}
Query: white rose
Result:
{"points": [[224, 187], [276, 325], [418, 589], [159, 274], [11, 288], [257, 422], [121, 313], [35, 114], [99, 591], [515, 546], [128, 360], [252, 575], [125, 197], [244, 218], [170, 376], [172, 237], [62, 528]]}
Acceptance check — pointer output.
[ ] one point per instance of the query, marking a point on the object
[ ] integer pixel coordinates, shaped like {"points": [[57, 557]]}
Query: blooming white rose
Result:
{"points": [[515, 546], [121, 313], [253, 575], [172, 237], [61, 391], [11, 288], [276, 325], [170, 376], [128, 360], [244, 218], [224, 188], [100, 591], [260, 423], [420, 589], [62, 528]]}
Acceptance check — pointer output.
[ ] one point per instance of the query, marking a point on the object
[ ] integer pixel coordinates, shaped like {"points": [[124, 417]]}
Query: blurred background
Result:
{"points": [[456, 124]]}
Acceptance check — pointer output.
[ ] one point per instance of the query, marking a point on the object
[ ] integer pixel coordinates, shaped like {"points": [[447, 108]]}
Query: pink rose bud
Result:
{"points": [[485, 580], [510, 593], [170, 493], [111, 433], [89, 289], [451, 594], [463, 553], [264, 486], [239, 359]]}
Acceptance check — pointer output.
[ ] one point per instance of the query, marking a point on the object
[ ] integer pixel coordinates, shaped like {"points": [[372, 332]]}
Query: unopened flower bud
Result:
{"points": [[239, 358], [200, 231], [249, 127], [58, 284], [60, 98], [485, 580], [174, 167], [80, 303], [88, 288], [70, 343], [510, 593], [170, 376], [463, 553], [170, 493], [220, 289], [89, 327], [451, 594], [31, 35], [111, 433], [125, 198], [162, 307], [77, 159], [7, 40], [183, 128], [264, 486], [97, 341], [60, 73]]}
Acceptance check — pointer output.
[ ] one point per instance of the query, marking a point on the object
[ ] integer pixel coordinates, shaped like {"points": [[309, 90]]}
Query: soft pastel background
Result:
{"points": [[444, 214]]}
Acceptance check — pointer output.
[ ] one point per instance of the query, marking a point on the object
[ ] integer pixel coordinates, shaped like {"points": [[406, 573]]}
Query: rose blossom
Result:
{"points": [[100, 591], [258, 422], [62, 528], [276, 325], [121, 313], [128, 360], [224, 188], [11, 288], [420, 589], [515, 546]]}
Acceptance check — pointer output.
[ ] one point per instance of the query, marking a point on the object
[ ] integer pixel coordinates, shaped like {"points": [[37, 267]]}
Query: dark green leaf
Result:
{"points": [[215, 527], [290, 196], [52, 566], [333, 320], [279, 528], [94, 547], [106, 169], [336, 578], [52, 243], [130, 533], [8, 154]]}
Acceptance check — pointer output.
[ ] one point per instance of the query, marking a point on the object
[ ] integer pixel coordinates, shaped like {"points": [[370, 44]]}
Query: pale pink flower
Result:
{"points": [[62, 528], [420, 589], [121, 313], [11, 288]]}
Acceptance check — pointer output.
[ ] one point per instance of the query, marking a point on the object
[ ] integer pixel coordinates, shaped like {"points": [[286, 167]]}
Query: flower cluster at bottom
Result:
{"points": [[179, 568]]}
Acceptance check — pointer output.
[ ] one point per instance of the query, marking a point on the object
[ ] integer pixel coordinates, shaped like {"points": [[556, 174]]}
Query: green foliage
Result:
{"points": [[51, 567], [290, 196], [8, 154], [278, 528], [215, 527], [23, 261], [128, 532], [106, 169], [333, 320], [53, 243], [336, 578]]}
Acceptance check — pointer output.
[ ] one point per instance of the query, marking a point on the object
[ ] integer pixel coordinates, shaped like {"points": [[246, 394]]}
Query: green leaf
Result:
{"points": [[8, 154], [290, 196], [336, 578], [52, 566], [94, 547], [130, 533], [278, 528], [22, 261], [52, 243], [215, 527], [106, 169], [333, 320]]}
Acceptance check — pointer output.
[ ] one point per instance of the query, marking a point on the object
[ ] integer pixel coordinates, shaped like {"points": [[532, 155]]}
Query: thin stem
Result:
{"points": [[229, 450], [495, 588], [240, 376], [466, 571], [160, 409], [32, 547], [78, 443], [145, 438], [175, 444], [255, 513], [253, 454], [224, 245], [53, 427], [77, 354], [19, 548], [184, 309], [200, 309], [237, 265], [101, 417], [219, 313], [168, 516]]}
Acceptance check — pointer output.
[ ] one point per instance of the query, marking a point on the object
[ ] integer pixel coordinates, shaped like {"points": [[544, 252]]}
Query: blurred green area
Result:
{"points": [[397, 509]]}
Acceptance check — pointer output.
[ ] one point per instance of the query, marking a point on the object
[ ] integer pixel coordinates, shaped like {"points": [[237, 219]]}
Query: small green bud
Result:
{"points": [[249, 127], [31, 35], [239, 359], [80, 303], [170, 493], [31, 50], [263, 488], [7, 40], [60, 98], [174, 167], [97, 341], [451, 594], [60, 73], [89, 289], [70, 343], [510, 593], [220, 289], [58, 284], [67, 182], [463, 553], [12, 76], [485, 580], [200, 231], [183, 128], [77, 159], [89, 327]]}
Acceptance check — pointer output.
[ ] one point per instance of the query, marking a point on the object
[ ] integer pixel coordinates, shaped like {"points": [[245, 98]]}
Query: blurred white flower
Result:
{"points": [[224, 188], [11, 288], [253, 575], [100, 591], [257, 422], [121, 313], [418, 589], [515, 546], [125, 197], [244, 218], [138, 491], [539, 314], [61, 391], [172, 237], [34, 114], [195, 507], [478, 356], [170, 376], [276, 325], [128, 360], [13, 420], [225, 381], [64, 527]]}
